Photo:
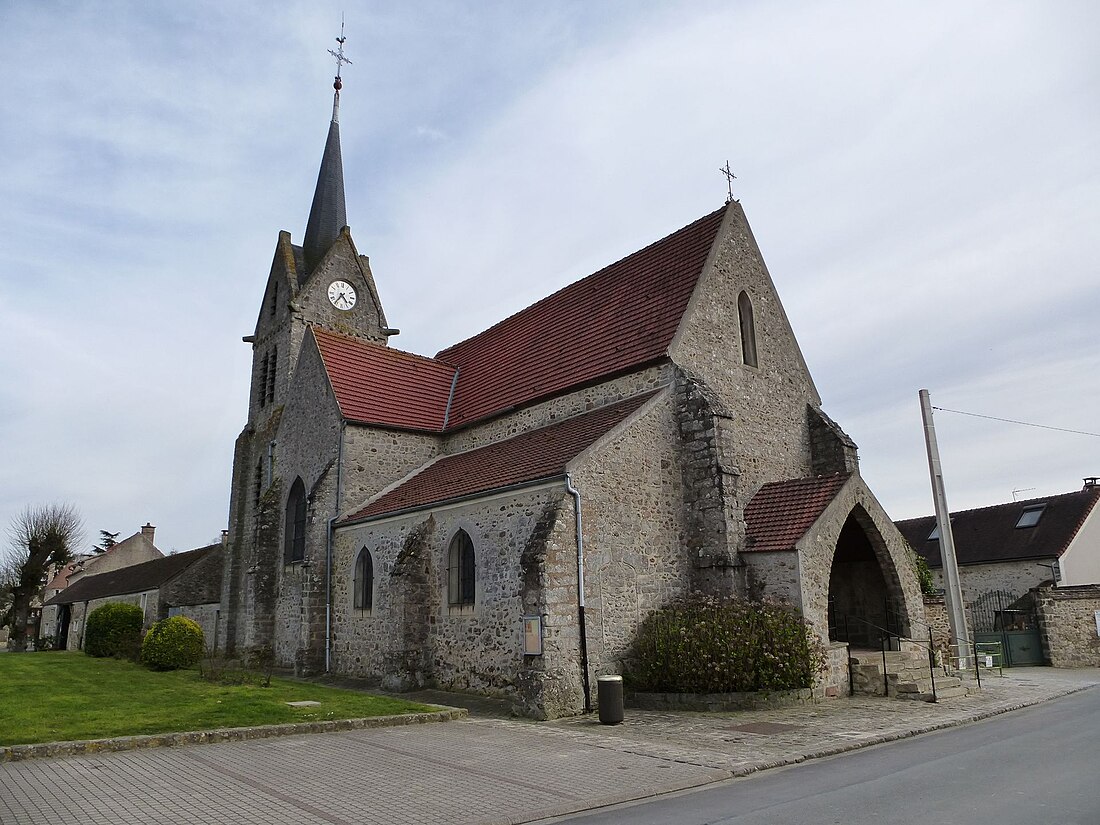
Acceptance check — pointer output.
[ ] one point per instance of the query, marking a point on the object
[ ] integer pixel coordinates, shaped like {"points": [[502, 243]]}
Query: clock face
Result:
{"points": [[341, 294]]}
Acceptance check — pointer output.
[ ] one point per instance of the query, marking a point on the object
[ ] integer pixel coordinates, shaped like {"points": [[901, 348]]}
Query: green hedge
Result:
{"points": [[114, 629], [173, 643], [703, 644]]}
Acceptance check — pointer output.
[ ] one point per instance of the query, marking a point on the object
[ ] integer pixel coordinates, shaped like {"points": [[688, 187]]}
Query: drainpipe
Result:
{"points": [[329, 548], [573, 491]]}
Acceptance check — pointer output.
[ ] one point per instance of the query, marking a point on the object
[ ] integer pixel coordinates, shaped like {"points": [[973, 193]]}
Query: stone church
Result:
{"points": [[500, 517]]}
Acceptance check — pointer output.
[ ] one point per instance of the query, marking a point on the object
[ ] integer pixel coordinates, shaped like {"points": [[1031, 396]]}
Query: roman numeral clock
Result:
{"points": [[341, 294]]}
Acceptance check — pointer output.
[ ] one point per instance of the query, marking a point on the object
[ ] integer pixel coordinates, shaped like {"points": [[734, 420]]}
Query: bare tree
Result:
{"points": [[41, 536]]}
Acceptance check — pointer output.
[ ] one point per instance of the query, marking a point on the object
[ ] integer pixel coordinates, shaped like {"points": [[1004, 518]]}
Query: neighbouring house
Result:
{"points": [[501, 517], [1007, 551], [1016, 546], [138, 548], [187, 584]]}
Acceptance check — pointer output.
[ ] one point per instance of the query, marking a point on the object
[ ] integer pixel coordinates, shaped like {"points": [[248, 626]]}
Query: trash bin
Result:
{"points": [[609, 694]]}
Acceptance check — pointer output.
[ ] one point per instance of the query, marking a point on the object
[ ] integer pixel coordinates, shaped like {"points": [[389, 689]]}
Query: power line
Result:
{"points": [[1013, 421]]}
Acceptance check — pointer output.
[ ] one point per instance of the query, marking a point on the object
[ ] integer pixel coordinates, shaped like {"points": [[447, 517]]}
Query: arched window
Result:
{"points": [[294, 534], [460, 570], [748, 329], [363, 590]]}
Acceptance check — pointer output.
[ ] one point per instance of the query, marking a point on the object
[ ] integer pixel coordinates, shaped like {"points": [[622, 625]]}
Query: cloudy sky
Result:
{"points": [[923, 180]]}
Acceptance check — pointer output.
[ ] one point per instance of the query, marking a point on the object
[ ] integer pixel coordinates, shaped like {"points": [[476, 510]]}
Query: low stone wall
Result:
{"points": [[834, 682], [721, 702], [935, 614], [1067, 618]]}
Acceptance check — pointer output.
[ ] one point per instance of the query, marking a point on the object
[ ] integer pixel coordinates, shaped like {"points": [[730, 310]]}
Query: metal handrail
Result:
{"points": [[884, 634]]}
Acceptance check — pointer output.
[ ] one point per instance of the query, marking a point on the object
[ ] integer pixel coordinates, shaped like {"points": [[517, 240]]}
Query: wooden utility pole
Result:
{"points": [[956, 611]]}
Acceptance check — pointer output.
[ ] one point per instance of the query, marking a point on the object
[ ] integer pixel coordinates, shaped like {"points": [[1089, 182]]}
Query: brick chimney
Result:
{"points": [[148, 531]]}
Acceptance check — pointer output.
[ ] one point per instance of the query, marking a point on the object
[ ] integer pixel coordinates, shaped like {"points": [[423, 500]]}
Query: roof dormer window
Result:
{"points": [[1030, 516], [935, 534]]}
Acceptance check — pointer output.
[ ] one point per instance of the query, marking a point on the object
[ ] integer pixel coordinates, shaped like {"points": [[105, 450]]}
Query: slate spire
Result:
{"points": [[328, 214]]}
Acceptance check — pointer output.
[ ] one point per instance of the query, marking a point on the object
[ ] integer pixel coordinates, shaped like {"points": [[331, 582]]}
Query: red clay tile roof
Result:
{"points": [[621, 317], [530, 457], [379, 385], [781, 512], [989, 534]]}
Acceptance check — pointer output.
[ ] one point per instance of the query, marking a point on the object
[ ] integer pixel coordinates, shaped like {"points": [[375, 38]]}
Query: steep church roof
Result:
{"points": [[530, 457], [327, 215], [781, 512], [991, 534], [379, 385], [618, 319]]}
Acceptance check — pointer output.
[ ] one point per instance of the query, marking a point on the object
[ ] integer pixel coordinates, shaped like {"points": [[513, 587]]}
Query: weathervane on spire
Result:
{"points": [[725, 170], [339, 55]]}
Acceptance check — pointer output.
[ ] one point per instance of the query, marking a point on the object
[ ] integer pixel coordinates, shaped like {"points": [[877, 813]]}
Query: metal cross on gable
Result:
{"points": [[725, 170]]}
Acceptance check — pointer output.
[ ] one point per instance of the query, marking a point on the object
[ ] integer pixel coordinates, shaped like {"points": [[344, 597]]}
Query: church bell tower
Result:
{"points": [[322, 283]]}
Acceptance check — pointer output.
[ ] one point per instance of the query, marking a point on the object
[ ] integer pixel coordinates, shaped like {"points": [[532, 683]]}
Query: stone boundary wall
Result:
{"points": [[1067, 619]]}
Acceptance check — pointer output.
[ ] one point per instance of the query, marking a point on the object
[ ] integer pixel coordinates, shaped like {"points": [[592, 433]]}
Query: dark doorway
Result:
{"points": [[64, 614], [860, 609]]}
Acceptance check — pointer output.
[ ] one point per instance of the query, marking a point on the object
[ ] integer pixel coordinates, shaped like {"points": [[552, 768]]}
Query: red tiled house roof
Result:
{"points": [[526, 458], [781, 512], [620, 318], [375, 384], [990, 534]]}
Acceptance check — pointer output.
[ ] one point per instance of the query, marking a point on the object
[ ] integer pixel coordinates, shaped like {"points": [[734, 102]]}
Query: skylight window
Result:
{"points": [[1030, 516], [935, 534]]}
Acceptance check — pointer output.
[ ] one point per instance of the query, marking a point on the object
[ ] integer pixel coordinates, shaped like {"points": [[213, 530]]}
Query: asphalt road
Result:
{"points": [[1038, 766]]}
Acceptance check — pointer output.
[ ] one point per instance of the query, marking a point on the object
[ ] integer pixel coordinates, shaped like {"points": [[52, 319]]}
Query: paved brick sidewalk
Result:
{"points": [[486, 770]]}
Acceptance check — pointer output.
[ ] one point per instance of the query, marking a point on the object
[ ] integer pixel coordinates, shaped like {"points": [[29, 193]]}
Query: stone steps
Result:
{"points": [[907, 676]]}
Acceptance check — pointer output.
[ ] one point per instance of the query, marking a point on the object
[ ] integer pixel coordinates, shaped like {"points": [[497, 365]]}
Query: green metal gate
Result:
{"points": [[1011, 620]]}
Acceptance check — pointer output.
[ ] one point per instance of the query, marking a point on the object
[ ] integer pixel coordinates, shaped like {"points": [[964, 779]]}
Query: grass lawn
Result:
{"points": [[59, 696]]}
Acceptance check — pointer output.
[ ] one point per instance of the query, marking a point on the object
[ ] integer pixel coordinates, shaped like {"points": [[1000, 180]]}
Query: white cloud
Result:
{"points": [[922, 181]]}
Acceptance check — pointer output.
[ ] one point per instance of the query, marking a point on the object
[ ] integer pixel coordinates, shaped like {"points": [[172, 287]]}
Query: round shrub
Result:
{"points": [[703, 644], [172, 643], [114, 629]]}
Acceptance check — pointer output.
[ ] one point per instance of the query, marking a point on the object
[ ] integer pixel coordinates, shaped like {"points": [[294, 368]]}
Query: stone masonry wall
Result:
{"points": [[559, 408], [1068, 620], [769, 438], [411, 636], [374, 459], [1016, 577], [633, 521], [714, 525], [207, 616], [935, 614], [309, 450], [342, 262]]}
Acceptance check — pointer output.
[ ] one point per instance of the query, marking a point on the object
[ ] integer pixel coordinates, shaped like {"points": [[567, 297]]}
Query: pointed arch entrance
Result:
{"points": [[866, 601]]}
